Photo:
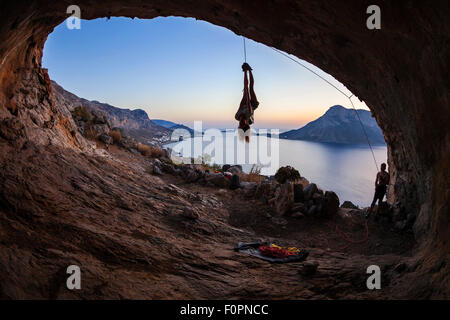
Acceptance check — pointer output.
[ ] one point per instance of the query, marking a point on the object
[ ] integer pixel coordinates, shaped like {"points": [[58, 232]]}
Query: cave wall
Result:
{"points": [[400, 71]]}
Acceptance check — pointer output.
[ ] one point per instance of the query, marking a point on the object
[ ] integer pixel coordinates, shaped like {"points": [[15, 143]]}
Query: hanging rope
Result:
{"points": [[365, 133], [347, 96], [245, 50]]}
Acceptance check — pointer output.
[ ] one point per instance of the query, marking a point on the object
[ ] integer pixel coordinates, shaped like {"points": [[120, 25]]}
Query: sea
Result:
{"points": [[348, 170]]}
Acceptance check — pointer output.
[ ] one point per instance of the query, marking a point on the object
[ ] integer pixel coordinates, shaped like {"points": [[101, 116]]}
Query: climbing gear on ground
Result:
{"points": [[272, 252]]}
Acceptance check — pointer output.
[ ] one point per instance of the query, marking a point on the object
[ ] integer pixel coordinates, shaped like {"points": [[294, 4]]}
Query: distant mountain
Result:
{"points": [[339, 125], [164, 123], [136, 122], [171, 125]]}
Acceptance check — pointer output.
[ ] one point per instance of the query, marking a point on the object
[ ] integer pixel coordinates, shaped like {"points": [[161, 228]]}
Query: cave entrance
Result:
{"points": [[398, 70], [185, 70]]}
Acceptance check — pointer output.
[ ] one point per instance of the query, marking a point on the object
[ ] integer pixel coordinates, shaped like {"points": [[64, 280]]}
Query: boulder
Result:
{"points": [[265, 191], [317, 198], [99, 129], [235, 169], [287, 173], [157, 170], [283, 199], [349, 205], [312, 210], [330, 204], [298, 192], [235, 182], [309, 190], [193, 175], [217, 179], [106, 138], [167, 167]]}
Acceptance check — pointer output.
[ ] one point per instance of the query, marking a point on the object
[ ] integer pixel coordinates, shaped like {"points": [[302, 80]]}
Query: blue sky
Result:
{"points": [[182, 69]]}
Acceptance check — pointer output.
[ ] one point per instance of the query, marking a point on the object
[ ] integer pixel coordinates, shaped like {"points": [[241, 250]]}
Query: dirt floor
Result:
{"points": [[124, 227]]}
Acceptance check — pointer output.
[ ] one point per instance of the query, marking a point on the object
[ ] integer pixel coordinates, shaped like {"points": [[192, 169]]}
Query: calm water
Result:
{"points": [[347, 170]]}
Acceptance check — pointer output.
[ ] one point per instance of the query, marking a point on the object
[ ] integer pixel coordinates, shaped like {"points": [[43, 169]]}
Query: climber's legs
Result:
{"points": [[245, 93], [252, 91]]}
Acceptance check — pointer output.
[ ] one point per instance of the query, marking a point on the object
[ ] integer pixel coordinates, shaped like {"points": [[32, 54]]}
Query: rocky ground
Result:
{"points": [[137, 233]]}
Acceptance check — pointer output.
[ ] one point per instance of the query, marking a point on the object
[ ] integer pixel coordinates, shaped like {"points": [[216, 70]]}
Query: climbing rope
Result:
{"points": [[347, 238], [342, 92], [245, 50]]}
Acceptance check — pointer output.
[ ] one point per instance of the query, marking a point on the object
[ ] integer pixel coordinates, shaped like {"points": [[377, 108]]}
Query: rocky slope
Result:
{"points": [[135, 123], [339, 125]]}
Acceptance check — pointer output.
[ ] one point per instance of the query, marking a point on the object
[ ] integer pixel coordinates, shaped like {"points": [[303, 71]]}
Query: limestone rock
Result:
{"points": [[309, 190], [330, 204]]}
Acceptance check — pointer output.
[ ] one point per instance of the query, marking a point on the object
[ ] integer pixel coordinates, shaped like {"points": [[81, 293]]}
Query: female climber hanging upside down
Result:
{"points": [[248, 104]]}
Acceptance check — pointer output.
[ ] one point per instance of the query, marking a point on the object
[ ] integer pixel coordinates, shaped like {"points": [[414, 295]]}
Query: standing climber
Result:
{"points": [[248, 103], [381, 182]]}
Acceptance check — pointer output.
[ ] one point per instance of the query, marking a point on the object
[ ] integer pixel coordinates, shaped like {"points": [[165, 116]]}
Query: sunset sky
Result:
{"points": [[183, 70]]}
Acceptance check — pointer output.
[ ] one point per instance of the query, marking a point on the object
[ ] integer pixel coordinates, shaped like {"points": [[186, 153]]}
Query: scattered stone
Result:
{"points": [[349, 205], [308, 268], [157, 170], [192, 176], [167, 167], [235, 182], [317, 198], [330, 204], [265, 191], [298, 192], [235, 169], [105, 138], [309, 190], [312, 210], [283, 199], [287, 173]]}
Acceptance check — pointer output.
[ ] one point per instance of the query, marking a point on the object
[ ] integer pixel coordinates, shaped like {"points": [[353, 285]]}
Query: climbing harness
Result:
{"points": [[347, 238]]}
